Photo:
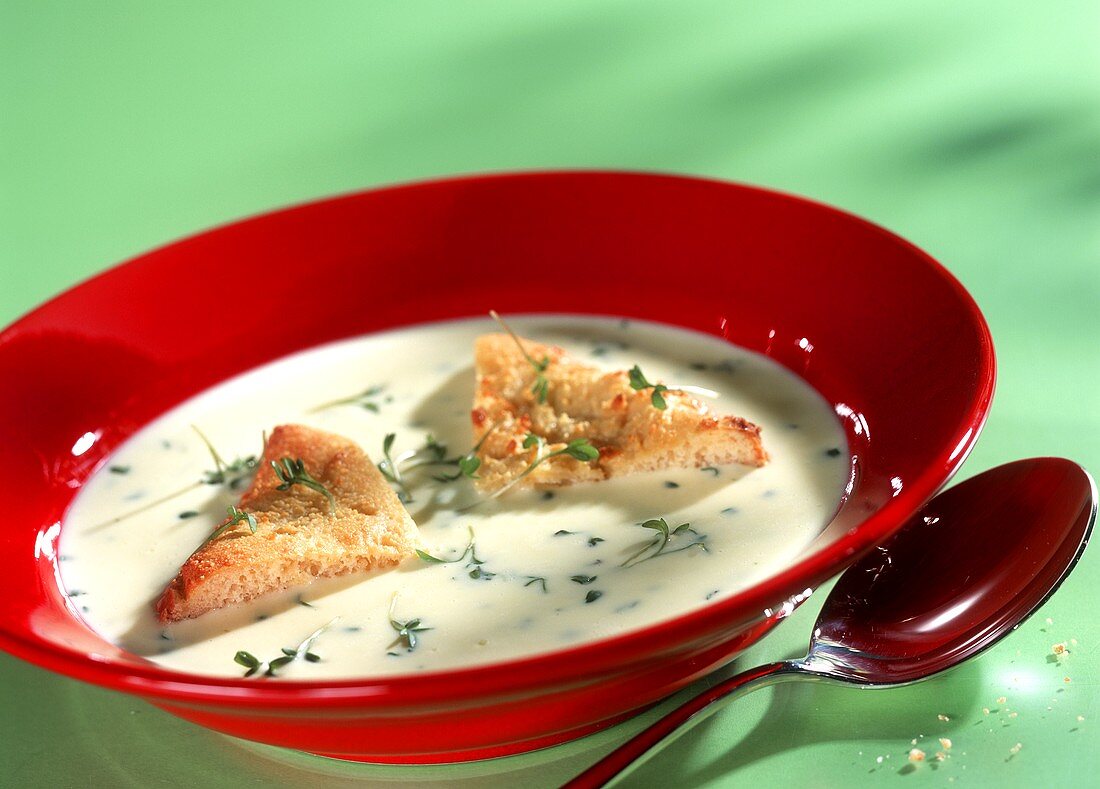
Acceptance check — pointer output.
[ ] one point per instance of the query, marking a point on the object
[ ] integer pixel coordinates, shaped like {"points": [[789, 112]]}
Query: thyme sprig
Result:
{"points": [[407, 630], [541, 387], [268, 668], [292, 472], [365, 399], [638, 382], [664, 537], [579, 449]]}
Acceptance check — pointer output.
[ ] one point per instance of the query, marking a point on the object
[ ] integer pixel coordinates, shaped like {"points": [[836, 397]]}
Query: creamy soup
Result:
{"points": [[547, 570]]}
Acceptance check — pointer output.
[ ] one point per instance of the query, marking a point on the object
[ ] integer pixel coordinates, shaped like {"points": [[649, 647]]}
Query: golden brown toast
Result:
{"points": [[583, 401], [298, 538]]}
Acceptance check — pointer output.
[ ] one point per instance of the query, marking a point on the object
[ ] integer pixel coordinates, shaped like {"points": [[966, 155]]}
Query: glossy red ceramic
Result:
{"points": [[877, 326]]}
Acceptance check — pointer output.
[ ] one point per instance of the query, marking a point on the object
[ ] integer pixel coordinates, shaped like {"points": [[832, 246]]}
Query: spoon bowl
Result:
{"points": [[967, 569]]}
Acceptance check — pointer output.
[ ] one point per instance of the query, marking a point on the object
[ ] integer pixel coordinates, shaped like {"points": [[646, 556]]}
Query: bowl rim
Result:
{"points": [[599, 657]]}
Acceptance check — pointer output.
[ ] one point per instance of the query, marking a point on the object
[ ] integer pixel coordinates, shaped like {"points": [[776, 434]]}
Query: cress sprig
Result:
{"points": [[474, 565], [664, 537], [432, 453], [228, 474], [638, 382], [242, 466], [269, 667], [471, 547], [579, 449], [365, 400], [234, 516], [407, 630], [292, 472], [469, 463], [541, 387]]}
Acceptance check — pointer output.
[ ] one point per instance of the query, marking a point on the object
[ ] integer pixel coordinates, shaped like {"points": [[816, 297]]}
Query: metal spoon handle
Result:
{"points": [[680, 720]]}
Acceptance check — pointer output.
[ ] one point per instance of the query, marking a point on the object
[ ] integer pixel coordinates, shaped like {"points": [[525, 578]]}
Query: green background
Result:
{"points": [[973, 129]]}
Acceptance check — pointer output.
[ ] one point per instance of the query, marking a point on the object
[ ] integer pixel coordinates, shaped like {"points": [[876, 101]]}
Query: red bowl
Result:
{"points": [[874, 324]]}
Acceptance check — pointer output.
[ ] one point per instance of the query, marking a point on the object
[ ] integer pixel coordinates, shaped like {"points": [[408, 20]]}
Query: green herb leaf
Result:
{"points": [[269, 668], [593, 596], [238, 516], [638, 382], [293, 472], [583, 579], [541, 387], [664, 537], [246, 659], [469, 465], [536, 579], [579, 448], [406, 631]]}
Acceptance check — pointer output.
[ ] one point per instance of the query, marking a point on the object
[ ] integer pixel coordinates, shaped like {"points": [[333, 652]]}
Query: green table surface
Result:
{"points": [[973, 129]]}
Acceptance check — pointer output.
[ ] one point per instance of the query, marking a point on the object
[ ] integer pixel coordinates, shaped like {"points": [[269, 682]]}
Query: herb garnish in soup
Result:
{"points": [[451, 494]]}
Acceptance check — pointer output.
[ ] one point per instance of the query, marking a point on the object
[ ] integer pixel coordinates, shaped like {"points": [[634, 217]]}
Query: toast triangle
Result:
{"points": [[298, 538], [583, 401]]}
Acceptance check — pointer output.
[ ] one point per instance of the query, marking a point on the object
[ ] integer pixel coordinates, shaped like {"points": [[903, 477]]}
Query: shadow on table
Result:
{"points": [[804, 713]]}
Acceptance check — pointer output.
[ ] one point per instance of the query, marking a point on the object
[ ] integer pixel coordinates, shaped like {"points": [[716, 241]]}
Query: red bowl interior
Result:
{"points": [[874, 324]]}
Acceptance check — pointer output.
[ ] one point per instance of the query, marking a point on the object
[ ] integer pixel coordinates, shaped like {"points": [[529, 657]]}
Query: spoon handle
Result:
{"points": [[671, 726]]}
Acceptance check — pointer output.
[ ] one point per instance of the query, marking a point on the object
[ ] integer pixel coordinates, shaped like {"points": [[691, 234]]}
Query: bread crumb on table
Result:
{"points": [[1015, 749], [1002, 700], [945, 743], [1059, 649], [916, 755], [943, 717]]}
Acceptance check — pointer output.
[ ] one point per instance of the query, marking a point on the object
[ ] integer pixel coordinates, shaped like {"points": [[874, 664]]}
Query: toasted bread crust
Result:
{"points": [[586, 402], [297, 539]]}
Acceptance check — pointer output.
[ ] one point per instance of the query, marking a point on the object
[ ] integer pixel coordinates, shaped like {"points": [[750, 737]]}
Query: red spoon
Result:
{"points": [[965, 571]]}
